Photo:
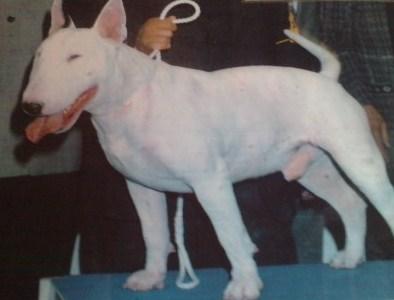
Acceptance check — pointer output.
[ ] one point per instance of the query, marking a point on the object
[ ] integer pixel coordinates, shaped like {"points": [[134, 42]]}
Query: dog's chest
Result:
{"points": [[142, 159]]}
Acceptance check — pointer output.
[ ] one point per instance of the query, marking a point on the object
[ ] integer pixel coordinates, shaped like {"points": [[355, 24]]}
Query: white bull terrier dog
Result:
{"points": [[168, 128]]}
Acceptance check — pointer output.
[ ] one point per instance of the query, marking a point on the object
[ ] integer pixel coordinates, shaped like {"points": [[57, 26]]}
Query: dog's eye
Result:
{"points": [[73, 57]]}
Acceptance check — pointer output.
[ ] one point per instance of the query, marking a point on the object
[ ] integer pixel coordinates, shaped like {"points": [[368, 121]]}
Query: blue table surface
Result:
{"points": [[370, 281]]}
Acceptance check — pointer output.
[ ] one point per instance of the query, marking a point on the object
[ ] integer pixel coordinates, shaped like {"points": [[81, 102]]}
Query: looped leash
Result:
{"points": [[197, 11], [185, 266]]}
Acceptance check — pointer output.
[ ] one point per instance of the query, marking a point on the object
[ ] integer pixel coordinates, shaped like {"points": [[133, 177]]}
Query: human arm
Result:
{"points": [[379, 129]]}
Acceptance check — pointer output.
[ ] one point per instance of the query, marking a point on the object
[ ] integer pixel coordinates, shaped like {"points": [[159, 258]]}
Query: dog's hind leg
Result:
{"points": [[216, 196], [152, 210], [365, 167], [324, 180]]}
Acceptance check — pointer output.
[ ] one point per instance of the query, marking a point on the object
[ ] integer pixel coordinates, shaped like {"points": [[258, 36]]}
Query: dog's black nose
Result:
{"points": [[32, 108]]}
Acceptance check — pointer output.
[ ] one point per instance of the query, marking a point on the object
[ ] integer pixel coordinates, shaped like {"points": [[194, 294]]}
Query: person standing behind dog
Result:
{"points": [[362, 35], [228, 34]]}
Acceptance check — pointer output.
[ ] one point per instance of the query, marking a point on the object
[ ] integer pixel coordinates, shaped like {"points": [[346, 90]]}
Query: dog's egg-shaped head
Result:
{"points": [[65, 78], [65, 65]]}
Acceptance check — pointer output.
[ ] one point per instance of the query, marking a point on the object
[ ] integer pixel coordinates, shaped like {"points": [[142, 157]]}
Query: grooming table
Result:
{"points": [[370, 281]]}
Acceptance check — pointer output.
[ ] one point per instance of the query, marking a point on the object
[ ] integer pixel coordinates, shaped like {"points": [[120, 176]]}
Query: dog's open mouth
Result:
{"points": [[59, 122]]}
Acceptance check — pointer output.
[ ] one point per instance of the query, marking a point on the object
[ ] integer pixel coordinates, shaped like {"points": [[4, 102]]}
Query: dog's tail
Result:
{"points": [[330, 65]]}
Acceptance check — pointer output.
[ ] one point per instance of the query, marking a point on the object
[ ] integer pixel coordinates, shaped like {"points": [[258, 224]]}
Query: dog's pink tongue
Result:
{"points": [[43, 126]]}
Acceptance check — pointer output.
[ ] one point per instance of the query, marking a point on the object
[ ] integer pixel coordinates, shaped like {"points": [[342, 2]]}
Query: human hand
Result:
{"points": [[379, 129], [156, 34]]}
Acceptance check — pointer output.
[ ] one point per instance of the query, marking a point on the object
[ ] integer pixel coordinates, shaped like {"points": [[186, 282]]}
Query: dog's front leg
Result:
{"points": [[151, 207], [216, 195]]}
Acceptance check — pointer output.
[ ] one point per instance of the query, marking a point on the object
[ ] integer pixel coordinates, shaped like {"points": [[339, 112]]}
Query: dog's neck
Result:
{"points": [[130, 72]]}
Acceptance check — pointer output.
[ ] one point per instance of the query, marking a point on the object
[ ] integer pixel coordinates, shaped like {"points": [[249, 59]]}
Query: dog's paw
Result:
{"points": [[145, 280], [245, 289], [344, 260]]}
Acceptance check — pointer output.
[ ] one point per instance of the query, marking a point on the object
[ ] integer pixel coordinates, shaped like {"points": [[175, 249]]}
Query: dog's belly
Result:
{"points": [[170, 170], [162, 179]]}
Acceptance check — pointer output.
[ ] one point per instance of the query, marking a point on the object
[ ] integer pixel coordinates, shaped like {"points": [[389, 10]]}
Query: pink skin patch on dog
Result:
{"points": [[59, 122]]}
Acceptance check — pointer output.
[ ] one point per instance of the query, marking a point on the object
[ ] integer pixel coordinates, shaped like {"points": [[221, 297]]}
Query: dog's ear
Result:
{"points": [[57, 16], [71, 24], [111, 22]]}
